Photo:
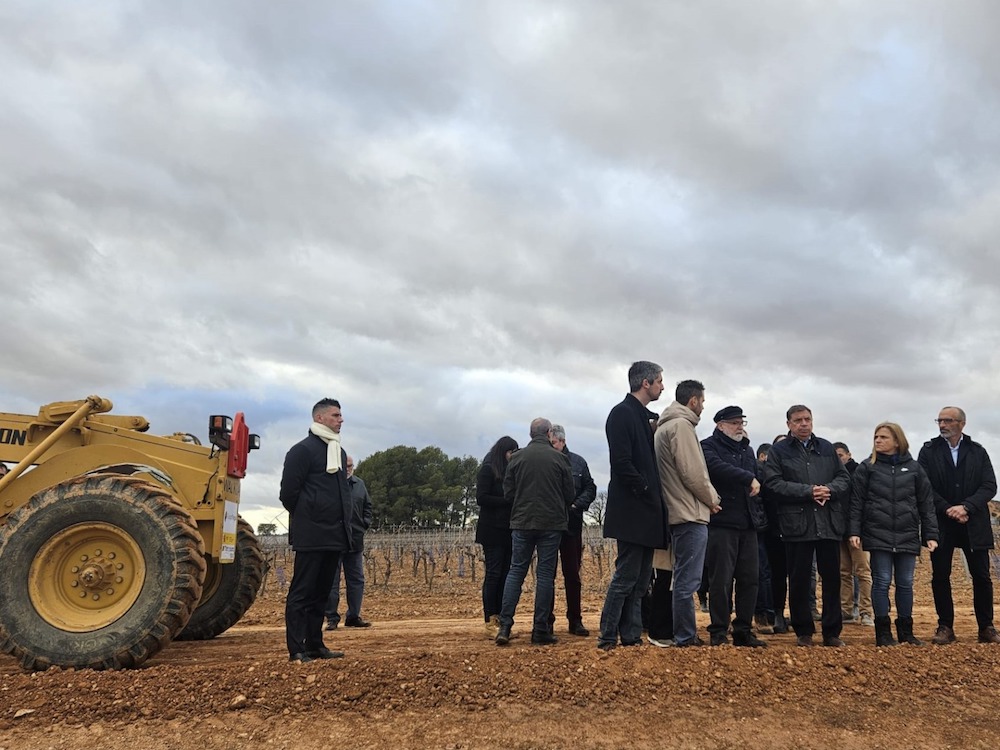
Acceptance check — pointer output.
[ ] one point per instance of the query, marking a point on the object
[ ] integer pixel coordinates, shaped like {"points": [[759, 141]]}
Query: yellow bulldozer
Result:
{"points": [[115, 542]]}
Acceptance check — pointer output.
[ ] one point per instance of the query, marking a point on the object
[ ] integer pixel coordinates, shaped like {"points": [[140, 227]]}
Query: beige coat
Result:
{"points": [[687, 490]]}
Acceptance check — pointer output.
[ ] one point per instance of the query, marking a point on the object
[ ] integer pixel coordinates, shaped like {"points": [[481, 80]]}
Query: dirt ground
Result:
{"points": [[425, 675]]}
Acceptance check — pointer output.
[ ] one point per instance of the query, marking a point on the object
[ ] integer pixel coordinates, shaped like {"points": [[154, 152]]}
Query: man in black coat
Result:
{"points": [[315, 493], [352, 564], [962, 477], [636, 515], [539, 486], [732, 552], [811, 490], [571, 546]]}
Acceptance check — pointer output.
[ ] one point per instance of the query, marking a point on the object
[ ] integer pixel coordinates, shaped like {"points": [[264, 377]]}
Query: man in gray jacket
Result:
{"points": [[691, 500], [539, 484]]}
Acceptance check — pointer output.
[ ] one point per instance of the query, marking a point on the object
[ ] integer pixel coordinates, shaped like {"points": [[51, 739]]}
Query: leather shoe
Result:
{"points": [[989, 635], [302, 658], [356, 622], [943, 635], [330, 625], [718, 639], [576, 628], [503, 635], [748, 640], [833, 642], [543, 638], [324, 653], [804, 640]]}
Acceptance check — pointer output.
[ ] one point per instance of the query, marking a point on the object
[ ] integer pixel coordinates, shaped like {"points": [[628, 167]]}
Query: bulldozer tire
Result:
{"points": [[98, 572], [230, 589]]}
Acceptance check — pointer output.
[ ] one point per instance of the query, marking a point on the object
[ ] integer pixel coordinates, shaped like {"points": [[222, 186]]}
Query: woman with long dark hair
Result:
{"points": [[892, 512], [493, 528]]}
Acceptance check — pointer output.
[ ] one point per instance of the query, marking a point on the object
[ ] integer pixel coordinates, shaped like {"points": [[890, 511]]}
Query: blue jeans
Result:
{"points": [[689, 541], [525, 543], [883, 564], [353, 565], [622, 613]]}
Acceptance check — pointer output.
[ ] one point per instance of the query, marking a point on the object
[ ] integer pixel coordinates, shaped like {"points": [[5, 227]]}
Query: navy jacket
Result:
{"points": [[636, 512], [319, 504], [732, 465]]}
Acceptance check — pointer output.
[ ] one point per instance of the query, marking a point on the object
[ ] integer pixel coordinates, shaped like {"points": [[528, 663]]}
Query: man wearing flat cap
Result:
{"points": [[732, 553]]}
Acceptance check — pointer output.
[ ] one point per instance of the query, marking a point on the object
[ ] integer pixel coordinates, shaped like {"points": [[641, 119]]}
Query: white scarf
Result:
{"points": [[332, 440]]}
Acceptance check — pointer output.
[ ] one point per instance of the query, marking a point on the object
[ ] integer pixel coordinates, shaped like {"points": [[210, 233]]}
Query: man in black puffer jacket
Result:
{"points": [[732, 532], [314, 491], [810, 487], [963, 480]]}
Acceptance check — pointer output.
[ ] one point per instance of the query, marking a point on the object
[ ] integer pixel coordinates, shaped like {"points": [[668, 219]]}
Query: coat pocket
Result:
{"points": [[792, 521]]}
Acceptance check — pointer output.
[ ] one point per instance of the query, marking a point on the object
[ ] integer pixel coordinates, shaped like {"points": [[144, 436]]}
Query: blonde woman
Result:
{"points": [[892, 512]]}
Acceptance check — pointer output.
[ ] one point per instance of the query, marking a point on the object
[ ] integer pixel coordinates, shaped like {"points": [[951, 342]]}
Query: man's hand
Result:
{"points": [[754, 487], [932, 545], [855, 542], [821, 493], [958, 513], [716, 508]]}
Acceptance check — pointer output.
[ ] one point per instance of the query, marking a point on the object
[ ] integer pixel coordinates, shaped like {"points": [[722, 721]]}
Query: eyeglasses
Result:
{"points": [[735, 422], [945, 421]]}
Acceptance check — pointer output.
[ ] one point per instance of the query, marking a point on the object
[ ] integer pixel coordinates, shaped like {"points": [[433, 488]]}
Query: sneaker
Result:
{"points": [[816, 615], [943, 636], [848, 617], [660, 642], [576, 628], [989, 635], [833, 642], [866, 620]]}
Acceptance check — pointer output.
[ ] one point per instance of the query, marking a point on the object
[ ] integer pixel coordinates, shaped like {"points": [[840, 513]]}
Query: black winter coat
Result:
{"points": [[636, 512], [790, 472], [361, 515], [493, 526], [972, 484], [319, 504], [585, 489], [732, 466], [892, 505]]}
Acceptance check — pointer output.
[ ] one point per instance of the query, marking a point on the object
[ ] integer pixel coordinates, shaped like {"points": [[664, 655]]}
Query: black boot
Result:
{"points": [[883, 631], [904, 629], [503, 635], [780, 623]]}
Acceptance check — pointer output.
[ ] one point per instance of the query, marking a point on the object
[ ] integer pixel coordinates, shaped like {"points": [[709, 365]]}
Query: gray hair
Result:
{"points": [[540, 427], [558, 432], [640, 371]]}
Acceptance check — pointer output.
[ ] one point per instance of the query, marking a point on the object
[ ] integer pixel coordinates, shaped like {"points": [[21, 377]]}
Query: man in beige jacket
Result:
{"points": [[691, 500]]}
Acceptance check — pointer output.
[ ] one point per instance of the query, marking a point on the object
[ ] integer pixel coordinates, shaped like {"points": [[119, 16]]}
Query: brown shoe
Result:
{"points": [[944, 635], [804, 640], [989, 635]]}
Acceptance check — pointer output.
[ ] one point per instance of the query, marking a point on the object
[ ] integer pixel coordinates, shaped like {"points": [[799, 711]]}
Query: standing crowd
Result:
{"points": [[749, 528]]}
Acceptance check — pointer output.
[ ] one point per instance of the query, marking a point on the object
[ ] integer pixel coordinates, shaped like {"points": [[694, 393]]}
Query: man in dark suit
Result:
{"points": [[636, 516]]}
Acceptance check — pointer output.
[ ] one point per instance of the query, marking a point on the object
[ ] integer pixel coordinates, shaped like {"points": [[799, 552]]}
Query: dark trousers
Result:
{"points": [[622, 612], [571, 558], [800, 561], [661, 607], [732, 555], [765, 602], [497, 559], [777, 558], [979, 569], [353, 566], [312, 579]]}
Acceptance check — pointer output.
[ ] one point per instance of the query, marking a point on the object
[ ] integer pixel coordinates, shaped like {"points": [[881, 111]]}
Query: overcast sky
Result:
{"points": [[457, 216]]}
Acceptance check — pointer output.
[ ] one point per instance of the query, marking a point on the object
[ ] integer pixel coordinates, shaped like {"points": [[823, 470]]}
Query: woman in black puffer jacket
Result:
{"points": [[892, 511]]}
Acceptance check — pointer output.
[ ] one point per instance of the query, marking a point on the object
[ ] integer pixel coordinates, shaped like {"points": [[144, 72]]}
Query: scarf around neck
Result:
{"points": [[332, 440]]}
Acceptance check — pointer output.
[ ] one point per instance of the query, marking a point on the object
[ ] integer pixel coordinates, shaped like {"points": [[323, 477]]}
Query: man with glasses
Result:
{"points": [[732, 552], [963, 481]]}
